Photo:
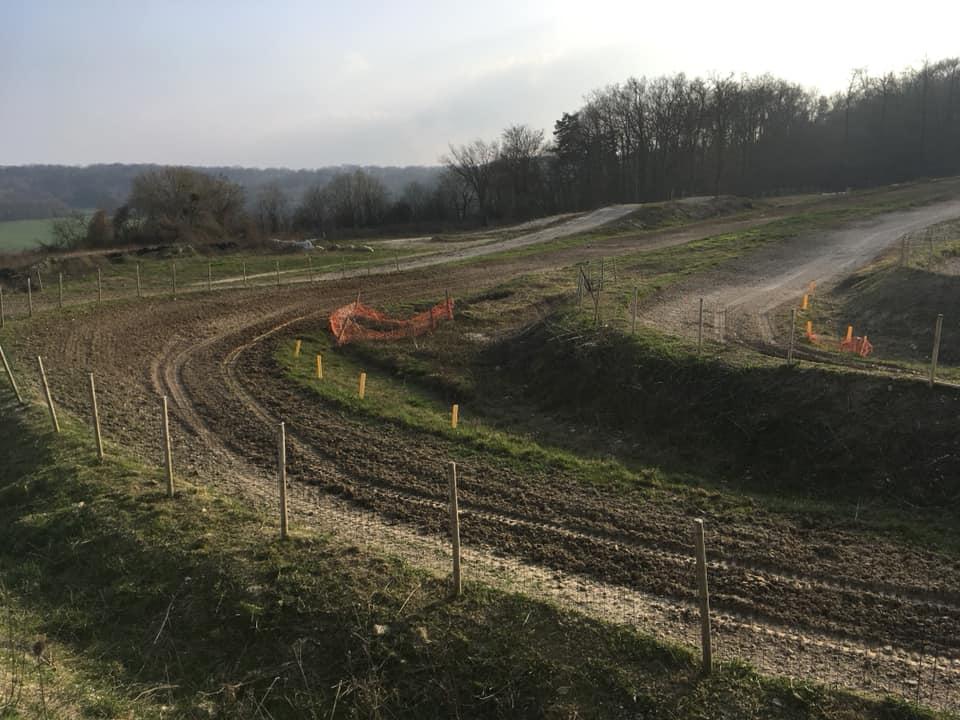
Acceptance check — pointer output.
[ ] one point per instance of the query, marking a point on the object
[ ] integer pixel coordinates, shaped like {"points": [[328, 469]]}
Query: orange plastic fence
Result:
{"points": [[357, 321], [857, 345]]}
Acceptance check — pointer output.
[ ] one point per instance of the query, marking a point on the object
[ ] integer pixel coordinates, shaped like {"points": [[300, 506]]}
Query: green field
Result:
{"points": [[24, 234]]}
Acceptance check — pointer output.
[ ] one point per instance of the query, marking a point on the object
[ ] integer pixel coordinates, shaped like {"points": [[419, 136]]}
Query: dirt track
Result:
{"points": [[752, 286], [793, 598]]}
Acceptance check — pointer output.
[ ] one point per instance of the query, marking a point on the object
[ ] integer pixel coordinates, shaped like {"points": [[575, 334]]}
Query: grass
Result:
{"points": [[191, 608], [16, 235], [540, 388], [895, 303]]}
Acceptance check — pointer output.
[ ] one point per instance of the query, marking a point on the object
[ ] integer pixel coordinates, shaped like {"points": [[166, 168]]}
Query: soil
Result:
{"points": [[791, 595], [742, 294]]}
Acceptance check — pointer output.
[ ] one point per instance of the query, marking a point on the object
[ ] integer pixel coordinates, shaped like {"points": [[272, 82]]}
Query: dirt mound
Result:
{"points": [[771, 429]]}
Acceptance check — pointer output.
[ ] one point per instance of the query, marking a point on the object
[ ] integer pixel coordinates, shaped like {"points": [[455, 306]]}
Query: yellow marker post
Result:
{"points": [[363, 385], [805, 303], [849, 333], [319, 367], [296, 348], [454, 416], [809, 328]]}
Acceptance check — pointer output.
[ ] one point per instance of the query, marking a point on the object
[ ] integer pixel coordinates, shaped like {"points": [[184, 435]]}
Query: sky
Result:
{"points": [[312, 83]]}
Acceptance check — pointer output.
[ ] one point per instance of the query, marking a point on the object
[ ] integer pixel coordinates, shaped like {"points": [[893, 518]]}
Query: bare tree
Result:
{"points": [[272, 210], [474, 164]]}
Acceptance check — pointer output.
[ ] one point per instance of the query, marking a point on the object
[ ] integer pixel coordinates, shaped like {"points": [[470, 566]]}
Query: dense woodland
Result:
{"points": [[642, 140]]}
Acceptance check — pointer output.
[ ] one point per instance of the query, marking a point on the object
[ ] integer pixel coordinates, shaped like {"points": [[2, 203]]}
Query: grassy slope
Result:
{"points": [[191, 608], [752, 428], [24, 234]]}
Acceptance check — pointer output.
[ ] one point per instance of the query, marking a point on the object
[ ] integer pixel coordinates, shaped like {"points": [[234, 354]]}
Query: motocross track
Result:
{"points": [[793, 597], [752, 286]]}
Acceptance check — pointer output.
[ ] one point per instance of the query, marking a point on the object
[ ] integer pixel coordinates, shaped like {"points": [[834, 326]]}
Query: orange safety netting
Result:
{"points": [[357, 321], [856, 345]]}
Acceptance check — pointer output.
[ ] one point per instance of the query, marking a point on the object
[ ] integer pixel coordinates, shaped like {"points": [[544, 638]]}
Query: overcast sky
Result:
{"points": [[314, 83]]}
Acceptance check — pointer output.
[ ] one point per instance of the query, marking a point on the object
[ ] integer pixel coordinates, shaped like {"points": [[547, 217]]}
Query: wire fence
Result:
{"points": [[927, 671]]}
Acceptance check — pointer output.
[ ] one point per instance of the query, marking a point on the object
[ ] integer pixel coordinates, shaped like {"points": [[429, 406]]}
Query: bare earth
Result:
{"points": [[752, 286], [796, 600]]}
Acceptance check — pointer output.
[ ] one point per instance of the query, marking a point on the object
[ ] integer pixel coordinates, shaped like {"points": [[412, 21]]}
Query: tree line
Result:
{"points": [[640, 140]]}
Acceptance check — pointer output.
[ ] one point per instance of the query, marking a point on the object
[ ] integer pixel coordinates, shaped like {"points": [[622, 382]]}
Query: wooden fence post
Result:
{"points": [[278, 273], [167, 454], [936, 349], [700, 330], [49, 397], [29, 298], [13, 382], [362, 389], [296, 348], [96, 418], [793, 334], [139, 283], [60, 290], [705, 639], [319, 367], [99, 287], [455, 530], [282, 477], [455, 416]]}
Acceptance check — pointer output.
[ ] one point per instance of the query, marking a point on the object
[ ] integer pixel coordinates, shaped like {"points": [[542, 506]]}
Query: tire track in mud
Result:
{"points": [[218, 362], [481, 523], [430, 512]]}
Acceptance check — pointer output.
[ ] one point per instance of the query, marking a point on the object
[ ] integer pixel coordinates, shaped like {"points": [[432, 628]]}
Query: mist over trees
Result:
{"points": [[645, 139]]}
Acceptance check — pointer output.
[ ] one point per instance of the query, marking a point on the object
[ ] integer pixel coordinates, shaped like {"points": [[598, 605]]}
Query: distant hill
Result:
{"points": [[42, 191]]}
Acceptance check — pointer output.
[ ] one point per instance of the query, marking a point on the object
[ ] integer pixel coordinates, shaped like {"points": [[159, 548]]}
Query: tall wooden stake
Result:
{"points": [[99, 287], [633, 322], [793, 334], [39, 281], [60, 290], [319, 367], [278, 273], [209, 276], [700, 330], [455, 529], [936, 349], [13, 382], [167, 454], [139, 283], [705, 639], [455, 416], [362, 389], [96, 417], [282, 477], [47, 395], [29, 298], [244, 265]]}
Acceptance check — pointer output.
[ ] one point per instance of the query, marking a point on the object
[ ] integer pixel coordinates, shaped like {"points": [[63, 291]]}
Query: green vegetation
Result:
{"points": [[895, 303], [141, 606], [527, 367], [24, 234]]}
